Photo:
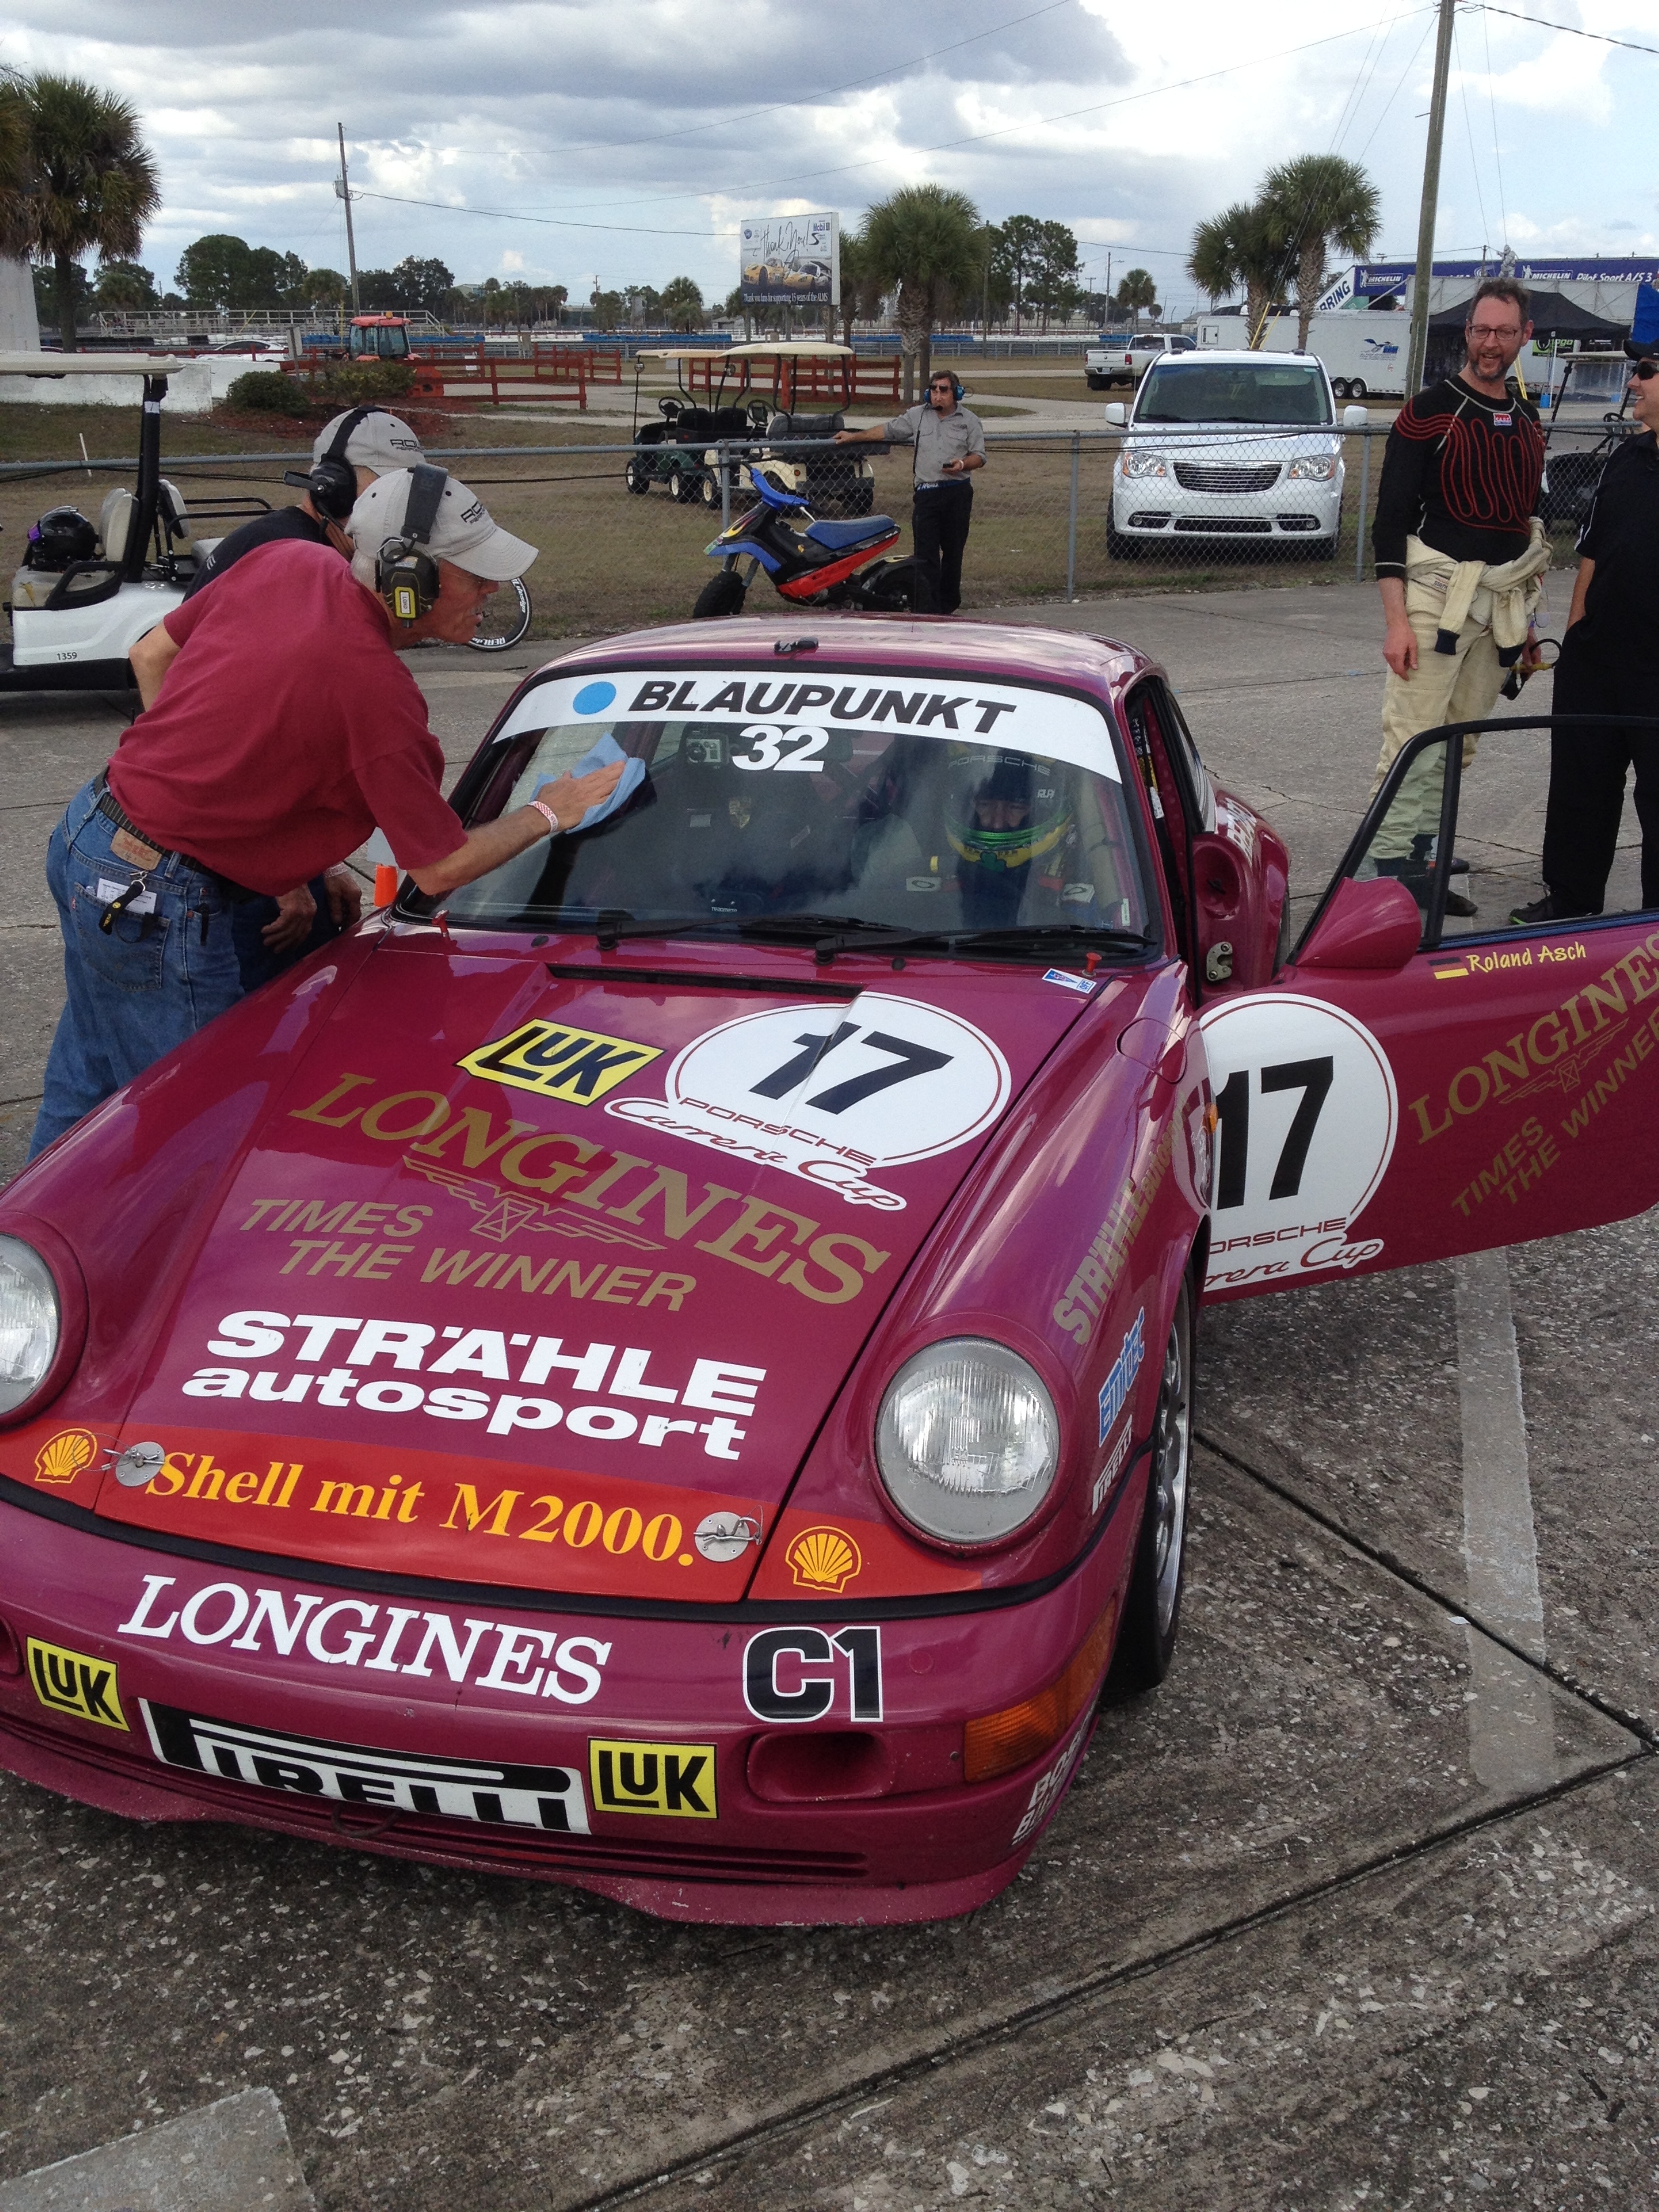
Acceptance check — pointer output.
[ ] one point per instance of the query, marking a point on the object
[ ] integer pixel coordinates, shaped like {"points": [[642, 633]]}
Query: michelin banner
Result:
{"points": [[791, 260]]}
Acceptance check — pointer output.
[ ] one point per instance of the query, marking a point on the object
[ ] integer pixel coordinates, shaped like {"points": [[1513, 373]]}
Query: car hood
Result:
{"points": [[538, 1272], [1255, 441]]}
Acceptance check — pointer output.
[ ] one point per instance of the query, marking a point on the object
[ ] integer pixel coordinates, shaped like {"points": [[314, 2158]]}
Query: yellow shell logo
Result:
{"points": [[63, 1458], [823, 1559]]}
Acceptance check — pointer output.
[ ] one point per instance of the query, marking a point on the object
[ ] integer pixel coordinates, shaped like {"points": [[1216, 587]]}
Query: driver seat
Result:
{"points": [[842, 536]]}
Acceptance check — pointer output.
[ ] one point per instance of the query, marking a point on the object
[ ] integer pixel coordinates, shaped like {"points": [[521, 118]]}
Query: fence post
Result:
{"points": [[1071, 522], [724, 452], [1365, 503]]}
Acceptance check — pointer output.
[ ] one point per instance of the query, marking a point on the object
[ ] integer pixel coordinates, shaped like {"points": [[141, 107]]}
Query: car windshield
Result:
{"points": [[840, 804], [1290, 394]]}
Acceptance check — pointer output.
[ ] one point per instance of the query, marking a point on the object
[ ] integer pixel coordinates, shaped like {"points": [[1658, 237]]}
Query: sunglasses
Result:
{"points": [[1644, 369]]}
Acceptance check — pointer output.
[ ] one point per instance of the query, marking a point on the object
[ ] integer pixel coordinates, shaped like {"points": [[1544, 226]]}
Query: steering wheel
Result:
{"points": [[668, 408]]}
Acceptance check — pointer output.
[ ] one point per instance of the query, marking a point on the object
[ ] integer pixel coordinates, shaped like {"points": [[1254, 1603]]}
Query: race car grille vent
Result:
{"points": [[1203, 475]]}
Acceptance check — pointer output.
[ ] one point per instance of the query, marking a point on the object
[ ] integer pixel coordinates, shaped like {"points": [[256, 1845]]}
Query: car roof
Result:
{"points": [[994, 652], [1232, 357]]}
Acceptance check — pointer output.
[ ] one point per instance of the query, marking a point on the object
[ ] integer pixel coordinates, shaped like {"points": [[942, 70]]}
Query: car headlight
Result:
{"points": [[1319, 466], [1145, 465], [29, 1322], [967, 1440]]}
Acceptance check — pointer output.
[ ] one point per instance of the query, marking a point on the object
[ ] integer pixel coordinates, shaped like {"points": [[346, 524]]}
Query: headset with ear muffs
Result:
{"points": [[332, 481], [956, 384], [405, 572]]}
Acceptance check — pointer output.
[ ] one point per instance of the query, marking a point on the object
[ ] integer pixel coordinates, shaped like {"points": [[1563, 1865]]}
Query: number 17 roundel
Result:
{"points": [[1308, 1118]]}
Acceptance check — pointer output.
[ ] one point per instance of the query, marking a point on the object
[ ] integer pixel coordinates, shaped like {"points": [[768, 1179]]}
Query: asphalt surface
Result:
{"points": [[1355, 1911]]}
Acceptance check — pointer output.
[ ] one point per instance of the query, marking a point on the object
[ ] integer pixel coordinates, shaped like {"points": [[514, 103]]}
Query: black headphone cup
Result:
{"points": [[333, 489]]}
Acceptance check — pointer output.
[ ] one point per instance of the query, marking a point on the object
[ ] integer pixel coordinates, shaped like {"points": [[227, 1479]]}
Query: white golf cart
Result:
{"points": [[72, 624]]}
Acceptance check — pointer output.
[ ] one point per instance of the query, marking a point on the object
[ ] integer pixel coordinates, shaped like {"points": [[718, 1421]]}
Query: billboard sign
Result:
{"points": [[791, 261]]}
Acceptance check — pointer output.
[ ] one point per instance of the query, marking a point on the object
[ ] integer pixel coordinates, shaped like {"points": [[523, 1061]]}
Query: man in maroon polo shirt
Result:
{"points": [[280, 727]]}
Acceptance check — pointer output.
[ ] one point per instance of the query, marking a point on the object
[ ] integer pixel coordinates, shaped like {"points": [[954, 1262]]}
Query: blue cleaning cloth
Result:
{"points": [[603, 754]]}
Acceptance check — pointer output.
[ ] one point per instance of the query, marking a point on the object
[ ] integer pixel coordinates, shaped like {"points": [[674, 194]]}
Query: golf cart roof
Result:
{"points": [[90, 364], [797, 349]]}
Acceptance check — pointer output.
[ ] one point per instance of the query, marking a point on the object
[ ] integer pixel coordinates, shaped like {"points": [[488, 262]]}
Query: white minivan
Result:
{"points": [[1230, 446]]}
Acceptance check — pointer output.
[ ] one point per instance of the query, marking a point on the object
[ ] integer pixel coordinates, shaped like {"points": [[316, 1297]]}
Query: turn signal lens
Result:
{"points": [[28, 1322], [999, 1742]]}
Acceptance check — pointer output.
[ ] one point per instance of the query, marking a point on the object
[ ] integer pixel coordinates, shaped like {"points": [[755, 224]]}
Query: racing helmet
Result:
{"points": [[62, 535], [1009, 789]]}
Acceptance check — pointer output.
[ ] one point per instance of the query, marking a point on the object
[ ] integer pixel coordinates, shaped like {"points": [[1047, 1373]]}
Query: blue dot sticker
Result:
{"points": [[594, 698]]}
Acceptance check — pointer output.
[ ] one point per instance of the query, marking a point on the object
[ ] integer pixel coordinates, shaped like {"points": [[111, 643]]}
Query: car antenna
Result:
{"points": [[783, 646]]}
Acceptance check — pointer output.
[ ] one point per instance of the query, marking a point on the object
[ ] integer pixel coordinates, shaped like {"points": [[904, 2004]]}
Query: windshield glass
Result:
{"points": [[858, 801], [1291, 393]]}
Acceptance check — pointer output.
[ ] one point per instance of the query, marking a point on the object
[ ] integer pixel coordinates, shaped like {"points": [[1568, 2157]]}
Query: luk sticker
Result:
{"points": [[549, 1797], [834, 1102], [574, 1065], [70, 1683], [673, 1778], [1307, 1118]]}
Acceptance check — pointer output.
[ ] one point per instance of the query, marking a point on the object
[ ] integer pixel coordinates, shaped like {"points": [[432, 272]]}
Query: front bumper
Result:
{"points": [[162, 1684], [1288, 511]]}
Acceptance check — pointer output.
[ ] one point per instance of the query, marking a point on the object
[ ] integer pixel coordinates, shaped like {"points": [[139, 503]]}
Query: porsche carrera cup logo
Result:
{"points": [[835, 1102], [545, 1797], [574, 1065]]}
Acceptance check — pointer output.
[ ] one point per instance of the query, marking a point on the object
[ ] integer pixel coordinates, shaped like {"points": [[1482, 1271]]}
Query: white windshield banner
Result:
{"points": [[960, 710]]}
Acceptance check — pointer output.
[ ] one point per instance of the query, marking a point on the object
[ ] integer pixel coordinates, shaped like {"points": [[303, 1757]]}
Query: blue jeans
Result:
{"points": [[134, 993]]}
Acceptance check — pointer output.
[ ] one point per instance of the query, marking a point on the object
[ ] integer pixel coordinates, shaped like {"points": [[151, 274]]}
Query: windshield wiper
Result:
{"points": [[1081, 936], [613, 927]]}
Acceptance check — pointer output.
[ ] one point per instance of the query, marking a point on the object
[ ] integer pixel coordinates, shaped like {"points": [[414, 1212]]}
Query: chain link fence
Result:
{"points": [[624, 528]]}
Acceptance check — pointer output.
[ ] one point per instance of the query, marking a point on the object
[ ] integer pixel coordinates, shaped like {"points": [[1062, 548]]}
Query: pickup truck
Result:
{"points": [[1104, 366]]}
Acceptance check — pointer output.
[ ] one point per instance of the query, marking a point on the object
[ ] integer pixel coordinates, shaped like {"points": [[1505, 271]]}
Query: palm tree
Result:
{"points": [[1138, 289], [88, 183], [860, 287], [925, 241], [1233, 248], [1312, 204]]}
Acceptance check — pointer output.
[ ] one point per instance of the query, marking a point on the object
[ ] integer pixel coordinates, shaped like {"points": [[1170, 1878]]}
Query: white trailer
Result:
{"points": [[1363, 354]]}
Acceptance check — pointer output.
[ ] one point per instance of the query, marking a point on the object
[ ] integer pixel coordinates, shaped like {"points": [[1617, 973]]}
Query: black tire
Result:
{"points": [[1356, 387], [723, 594], [636, 475], [1339, 387], [709, 488], [1151, 1614], [890, 589], [682, 486], [861, 500], [1121, 548], [505, 618], [1096, 383]]}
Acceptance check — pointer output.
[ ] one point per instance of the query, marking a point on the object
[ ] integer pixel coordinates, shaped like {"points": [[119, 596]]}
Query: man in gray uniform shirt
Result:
{"points": [[949, 444]]}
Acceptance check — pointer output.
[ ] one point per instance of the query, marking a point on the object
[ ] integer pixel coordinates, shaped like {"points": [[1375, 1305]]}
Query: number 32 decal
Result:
{"points": [[769, 740], [1308, 1117]]}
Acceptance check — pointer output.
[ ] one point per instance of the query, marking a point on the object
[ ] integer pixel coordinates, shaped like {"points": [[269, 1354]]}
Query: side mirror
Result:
{"points": [[1116, 414], [1376, 924], [1356, 418]]}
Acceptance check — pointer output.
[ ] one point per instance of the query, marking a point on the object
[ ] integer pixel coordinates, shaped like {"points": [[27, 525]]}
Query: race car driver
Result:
{"points": [[1010, 824]]}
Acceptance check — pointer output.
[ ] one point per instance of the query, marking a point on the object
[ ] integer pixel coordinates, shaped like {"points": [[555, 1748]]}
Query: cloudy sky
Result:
{"points": [[568, 140]]}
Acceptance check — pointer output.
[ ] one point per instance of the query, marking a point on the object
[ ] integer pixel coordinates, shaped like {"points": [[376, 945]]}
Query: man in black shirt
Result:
{"points": [[1609, 664], [1458, 559], [350, 452]]}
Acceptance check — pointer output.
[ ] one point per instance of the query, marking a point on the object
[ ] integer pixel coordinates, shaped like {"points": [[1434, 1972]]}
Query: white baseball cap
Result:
{"points": [[464, 530], [378, 440]]}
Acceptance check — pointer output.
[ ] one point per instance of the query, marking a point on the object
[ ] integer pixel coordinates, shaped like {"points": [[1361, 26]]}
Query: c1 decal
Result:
{"points": [[72, 1682], [546, 1797], [834, 1102], [1307, 1115], [676, 1779], [574, 1065], [793, 1675]]}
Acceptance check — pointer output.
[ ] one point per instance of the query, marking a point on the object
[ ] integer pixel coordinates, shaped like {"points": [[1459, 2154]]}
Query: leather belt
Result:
{"points": [[112, 811]]}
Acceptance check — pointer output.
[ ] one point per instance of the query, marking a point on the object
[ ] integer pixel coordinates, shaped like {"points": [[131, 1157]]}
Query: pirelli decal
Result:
{"points": [[575, 1066]]}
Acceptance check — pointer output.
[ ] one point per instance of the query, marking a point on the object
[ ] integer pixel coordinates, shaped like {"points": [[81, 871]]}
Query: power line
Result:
{"points": [[548, 221], [1570, 30]]}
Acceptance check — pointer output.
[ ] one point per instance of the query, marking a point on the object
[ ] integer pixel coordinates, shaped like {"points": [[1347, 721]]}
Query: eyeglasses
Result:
{"points": [[1486, 331], [1643, 370]]}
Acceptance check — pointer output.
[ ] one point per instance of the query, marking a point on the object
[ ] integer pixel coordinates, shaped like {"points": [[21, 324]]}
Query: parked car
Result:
{"points": [[1105, 365], [775, 1220], [1230, 447]]}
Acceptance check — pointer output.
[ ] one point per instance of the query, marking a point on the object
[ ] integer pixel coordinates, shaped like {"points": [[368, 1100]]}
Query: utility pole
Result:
{"points": [[1416, 350], [343, 190]]}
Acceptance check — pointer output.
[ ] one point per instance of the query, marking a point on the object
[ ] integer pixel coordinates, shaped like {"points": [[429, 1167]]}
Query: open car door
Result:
{"points": [[1408, 1088]]}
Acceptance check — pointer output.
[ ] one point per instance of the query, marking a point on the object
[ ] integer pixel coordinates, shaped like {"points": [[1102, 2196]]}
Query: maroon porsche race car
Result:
{"points": [[674, 1373]]}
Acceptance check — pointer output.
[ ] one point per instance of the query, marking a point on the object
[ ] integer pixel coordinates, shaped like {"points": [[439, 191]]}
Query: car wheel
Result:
{"points": [[1356, 387], [1121, 548], [637, 476], [682, 486], [1151, 1614], [710, 489], [1339, 387]]}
